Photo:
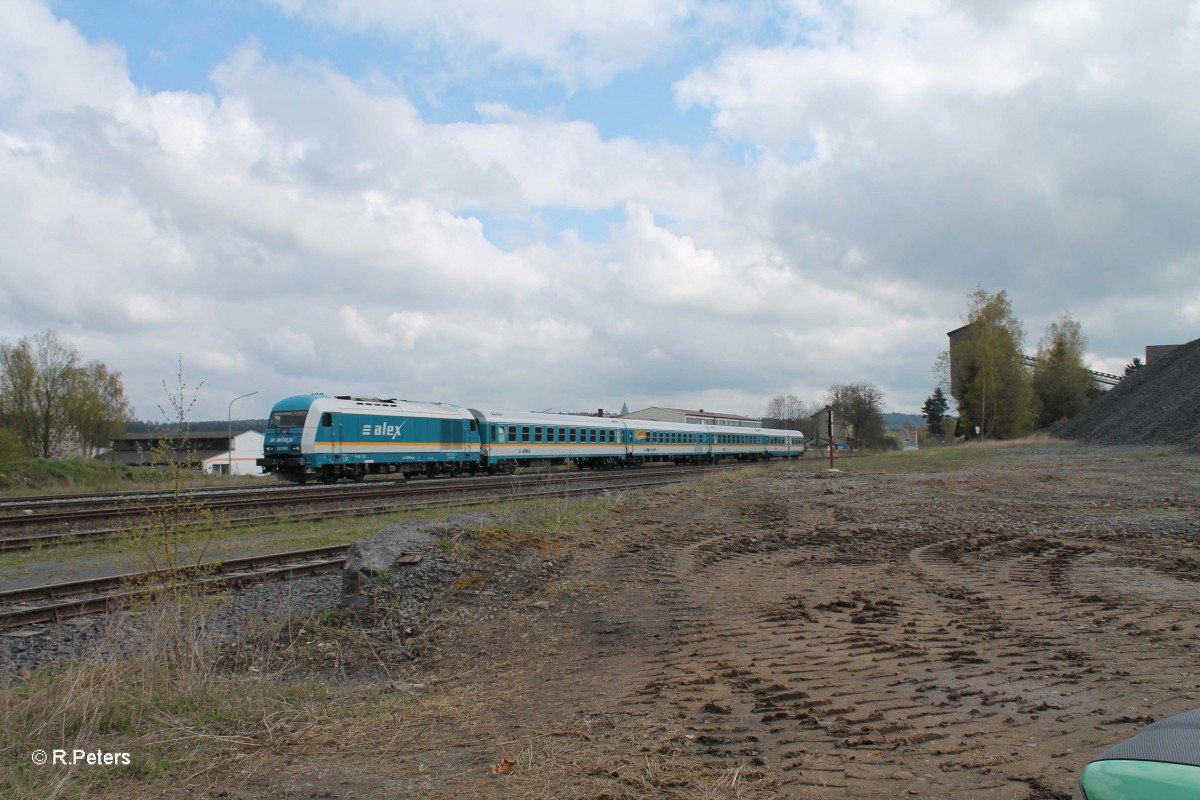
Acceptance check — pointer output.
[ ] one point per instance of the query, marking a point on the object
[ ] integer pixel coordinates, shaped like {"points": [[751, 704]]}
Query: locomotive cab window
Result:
{"points": [[327, 419], [288, 419]]}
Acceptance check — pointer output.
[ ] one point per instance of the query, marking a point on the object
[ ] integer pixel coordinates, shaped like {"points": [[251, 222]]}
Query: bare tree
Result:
{"points": [[790, 413], [859, 407], [776, 412]]}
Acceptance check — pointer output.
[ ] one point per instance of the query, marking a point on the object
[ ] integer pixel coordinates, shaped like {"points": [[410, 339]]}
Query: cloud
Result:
{"points": [[1041, 148], [291, 347], [586, 42], [856, 172]]}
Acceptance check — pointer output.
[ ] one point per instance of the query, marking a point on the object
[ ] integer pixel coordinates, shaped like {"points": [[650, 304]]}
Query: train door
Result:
{"points": [[451, 438], [487, 434], [333, 433]]}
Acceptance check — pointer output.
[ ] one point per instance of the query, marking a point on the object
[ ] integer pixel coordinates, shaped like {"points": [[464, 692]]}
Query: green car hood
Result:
{"points": [[1162, 762]]}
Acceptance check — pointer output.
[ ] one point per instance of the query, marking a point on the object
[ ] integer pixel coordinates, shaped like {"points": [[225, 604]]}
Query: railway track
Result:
{"points": [[57, 602], [72, 518], [61, 601]]}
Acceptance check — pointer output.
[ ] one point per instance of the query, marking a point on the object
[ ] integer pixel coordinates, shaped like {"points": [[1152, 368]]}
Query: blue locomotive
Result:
{"points": [[317, 437]]}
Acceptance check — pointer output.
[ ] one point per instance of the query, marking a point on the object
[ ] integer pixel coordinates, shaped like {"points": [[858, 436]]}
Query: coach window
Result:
{"points": [[537, 434], [571, 435], [591, 435], [612, 437], [524, 433]]}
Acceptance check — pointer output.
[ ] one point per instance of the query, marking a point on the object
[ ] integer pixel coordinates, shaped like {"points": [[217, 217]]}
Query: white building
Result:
{"points": [[245, 449]]}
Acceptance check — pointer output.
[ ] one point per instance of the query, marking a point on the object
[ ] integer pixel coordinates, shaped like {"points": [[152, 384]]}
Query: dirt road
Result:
{"points": [[976, 631]]}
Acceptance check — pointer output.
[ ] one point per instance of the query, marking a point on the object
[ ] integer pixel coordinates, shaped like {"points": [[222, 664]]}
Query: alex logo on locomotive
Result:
{"points": [[388, 431]]}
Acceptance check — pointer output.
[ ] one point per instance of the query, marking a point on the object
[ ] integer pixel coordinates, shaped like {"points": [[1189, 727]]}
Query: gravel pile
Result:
{"points": [[1158, 404]]}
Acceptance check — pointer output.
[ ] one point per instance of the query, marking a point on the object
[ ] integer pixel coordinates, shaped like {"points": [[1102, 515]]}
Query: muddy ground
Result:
{"points": [[975, 631]]}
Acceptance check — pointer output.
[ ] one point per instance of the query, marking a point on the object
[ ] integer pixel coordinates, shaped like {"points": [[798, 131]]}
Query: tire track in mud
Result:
{"points": [[841, 659]]}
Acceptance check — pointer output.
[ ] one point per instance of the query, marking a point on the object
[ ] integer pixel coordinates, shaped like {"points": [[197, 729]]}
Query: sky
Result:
{"points": [[571, 206]]}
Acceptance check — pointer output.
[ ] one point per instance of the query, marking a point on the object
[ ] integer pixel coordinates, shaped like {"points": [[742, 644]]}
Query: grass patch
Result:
{"points": [[175, 724], [44, 476]]}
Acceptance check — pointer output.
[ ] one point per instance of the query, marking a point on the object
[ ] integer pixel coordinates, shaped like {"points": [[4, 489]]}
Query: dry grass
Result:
{"points": [[193, 711]]}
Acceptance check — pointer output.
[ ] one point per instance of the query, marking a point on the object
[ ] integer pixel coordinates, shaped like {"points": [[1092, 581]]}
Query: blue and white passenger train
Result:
{"points": [[317, 437]]}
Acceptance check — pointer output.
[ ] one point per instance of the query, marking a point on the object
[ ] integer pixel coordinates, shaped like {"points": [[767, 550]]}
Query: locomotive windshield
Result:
{"points": [[287, 419]]}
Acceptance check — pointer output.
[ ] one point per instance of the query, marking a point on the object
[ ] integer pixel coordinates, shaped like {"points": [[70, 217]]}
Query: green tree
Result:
{"points": [[935, 408], [1062, 385], [987, 377], [97, 409], [1132, 366], [36, 380], [54, 405], [858, 406]]}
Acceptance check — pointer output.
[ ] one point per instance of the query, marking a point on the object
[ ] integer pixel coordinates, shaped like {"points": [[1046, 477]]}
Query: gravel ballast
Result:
{"points": [[1157, 404]]}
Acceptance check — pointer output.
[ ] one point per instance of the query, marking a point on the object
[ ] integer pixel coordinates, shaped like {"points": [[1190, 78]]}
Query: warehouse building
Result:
{"points": [[208, 451]]}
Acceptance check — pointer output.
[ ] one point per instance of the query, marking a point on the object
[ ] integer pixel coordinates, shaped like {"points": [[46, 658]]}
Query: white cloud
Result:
{"points": [[586, 41], [1191, 312], [291, 347], [1037, 148], [863, 173]]}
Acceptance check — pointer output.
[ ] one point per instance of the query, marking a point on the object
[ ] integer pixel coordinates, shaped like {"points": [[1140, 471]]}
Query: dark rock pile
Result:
{"points": [[1158, 404]]}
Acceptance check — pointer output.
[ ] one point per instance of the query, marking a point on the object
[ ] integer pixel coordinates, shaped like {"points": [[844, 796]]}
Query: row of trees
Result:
{"points": [[54, 405], [998, 395], [997, 392], [858, 408]]}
